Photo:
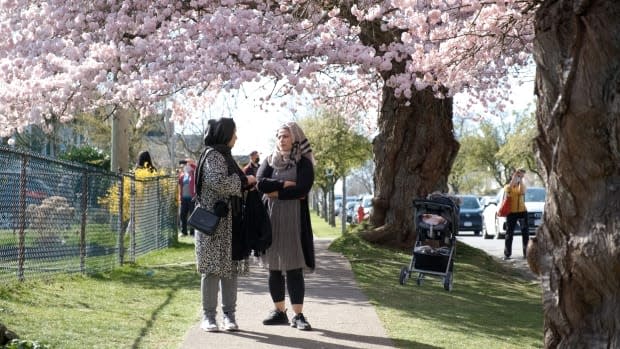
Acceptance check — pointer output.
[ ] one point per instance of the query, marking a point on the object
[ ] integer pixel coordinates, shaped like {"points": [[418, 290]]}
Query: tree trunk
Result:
{"points": [[577, 50], [330, 210], [413, 153], [325, 205]]}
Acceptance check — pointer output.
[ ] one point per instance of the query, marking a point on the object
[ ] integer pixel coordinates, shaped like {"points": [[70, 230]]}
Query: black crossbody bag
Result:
{"points": [[203, 220]]}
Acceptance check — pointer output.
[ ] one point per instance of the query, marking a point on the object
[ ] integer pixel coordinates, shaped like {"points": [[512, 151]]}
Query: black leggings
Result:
{"points": [[294, 284]]}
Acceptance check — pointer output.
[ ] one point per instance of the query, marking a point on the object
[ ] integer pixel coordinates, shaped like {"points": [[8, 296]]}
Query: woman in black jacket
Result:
{"points": [[285, 179]]}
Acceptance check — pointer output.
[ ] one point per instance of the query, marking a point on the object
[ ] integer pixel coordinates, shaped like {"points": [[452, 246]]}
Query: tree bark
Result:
{"points": [[577, 50], [413, 152]]}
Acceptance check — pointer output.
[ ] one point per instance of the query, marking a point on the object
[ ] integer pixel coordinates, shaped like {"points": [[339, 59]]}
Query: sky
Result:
{"points": [[256, 126]]}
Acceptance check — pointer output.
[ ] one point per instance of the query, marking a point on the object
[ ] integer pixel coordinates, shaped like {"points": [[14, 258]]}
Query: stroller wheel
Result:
{"points": [[447, 282], [420, 279], [404, 274]]}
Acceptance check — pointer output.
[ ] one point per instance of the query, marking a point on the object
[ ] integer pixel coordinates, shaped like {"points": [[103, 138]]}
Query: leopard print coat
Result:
{"points": [[214, 253]]}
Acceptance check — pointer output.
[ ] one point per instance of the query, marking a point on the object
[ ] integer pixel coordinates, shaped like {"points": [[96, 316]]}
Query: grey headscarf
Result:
{"points": [[280, 159]]}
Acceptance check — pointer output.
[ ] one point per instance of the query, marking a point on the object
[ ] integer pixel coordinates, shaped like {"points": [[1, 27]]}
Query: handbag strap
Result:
{"points": [[199, 172]]}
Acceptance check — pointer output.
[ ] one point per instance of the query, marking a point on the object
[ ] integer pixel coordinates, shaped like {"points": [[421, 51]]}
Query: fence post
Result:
{"points": [[159, 214], [121, 228], [83, 222], [21, 209], [132, 217]]}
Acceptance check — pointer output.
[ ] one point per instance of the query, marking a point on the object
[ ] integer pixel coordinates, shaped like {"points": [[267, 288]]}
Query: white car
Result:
{"points": [[367, 203], [495, 226]]}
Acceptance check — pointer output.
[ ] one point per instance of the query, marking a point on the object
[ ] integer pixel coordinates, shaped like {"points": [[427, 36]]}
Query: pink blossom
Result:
{"points": [[65, 56]]}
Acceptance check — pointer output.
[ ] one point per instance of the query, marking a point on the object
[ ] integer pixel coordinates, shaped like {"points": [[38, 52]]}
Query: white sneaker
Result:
{"points": [[229, 322], [209, 324]]}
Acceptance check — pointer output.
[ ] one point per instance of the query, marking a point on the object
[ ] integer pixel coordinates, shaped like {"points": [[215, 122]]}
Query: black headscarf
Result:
{"points": [[219, 133], [144, 161]]}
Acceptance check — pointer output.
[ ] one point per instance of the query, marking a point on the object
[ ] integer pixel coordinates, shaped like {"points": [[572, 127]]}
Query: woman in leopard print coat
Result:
{"points": [[221, 179]]}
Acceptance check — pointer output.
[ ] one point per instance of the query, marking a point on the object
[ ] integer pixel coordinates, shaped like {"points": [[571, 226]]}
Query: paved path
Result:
{"points": [[495, 248], [338, 311]]}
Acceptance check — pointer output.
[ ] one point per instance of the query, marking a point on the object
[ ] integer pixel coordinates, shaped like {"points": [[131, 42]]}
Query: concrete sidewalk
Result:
{"points": [[338, 311]]}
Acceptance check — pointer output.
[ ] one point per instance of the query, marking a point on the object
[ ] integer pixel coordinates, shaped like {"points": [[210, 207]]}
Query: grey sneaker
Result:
{"points": [[276, 317], [300, 322], [229, 322], [209, 324]]}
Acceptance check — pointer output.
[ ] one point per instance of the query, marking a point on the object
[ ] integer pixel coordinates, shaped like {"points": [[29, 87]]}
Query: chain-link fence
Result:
{"points": [[57, 217]]}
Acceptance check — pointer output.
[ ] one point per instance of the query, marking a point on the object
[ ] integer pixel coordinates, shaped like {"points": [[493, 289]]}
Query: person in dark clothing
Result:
{"points": [[252, 167], [286, 178], [187, 193], [144, 161]]}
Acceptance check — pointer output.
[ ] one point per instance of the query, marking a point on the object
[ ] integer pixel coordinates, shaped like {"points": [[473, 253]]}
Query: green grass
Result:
{"points": [[152, 303], [147, 305], [97, 234], [489, 306], [322, 229]]}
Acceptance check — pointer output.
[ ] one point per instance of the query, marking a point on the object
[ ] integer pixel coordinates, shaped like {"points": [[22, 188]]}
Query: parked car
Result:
{"points": [[367, 204], [495, 226], [337, 206], [470, 214], [486, 200], [352, 211]]}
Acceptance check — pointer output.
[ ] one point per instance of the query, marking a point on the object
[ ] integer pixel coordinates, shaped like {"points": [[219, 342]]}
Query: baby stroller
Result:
{"points": [[436, 219]]}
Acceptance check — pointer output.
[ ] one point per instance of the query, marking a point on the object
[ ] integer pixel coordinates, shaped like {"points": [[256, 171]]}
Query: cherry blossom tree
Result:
{"points": [[404, 58]]}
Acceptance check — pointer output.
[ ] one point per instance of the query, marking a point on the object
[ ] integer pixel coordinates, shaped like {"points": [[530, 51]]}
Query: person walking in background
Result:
{"points": [[286, 179], [187, 193], [360, 213], [223, 256], [145, 161], [252, 167], [515, 191]]}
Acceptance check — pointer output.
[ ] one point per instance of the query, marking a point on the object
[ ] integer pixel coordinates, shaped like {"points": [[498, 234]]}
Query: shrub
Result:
{"points": [[88, 155], [143, 191]]}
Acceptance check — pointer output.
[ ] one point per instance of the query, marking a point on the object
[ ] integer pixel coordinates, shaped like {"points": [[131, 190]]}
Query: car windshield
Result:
{"points": [[469, 202], [535, 195], [351, 204], [367, 202]]}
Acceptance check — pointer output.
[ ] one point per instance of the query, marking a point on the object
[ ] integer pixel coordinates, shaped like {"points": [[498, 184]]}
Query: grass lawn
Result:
{"points": [[489, 306], [152, 303], [322, 229], [147, 305]]}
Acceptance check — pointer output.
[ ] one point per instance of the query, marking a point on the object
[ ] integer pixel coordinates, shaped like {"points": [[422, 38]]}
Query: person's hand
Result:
{"points": [[273, 194], [289, 184], [251, 180], [517, 178]]}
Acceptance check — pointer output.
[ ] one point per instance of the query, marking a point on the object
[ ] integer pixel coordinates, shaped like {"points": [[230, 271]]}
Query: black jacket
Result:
{"points": [[257, 223], [305, 179]]}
